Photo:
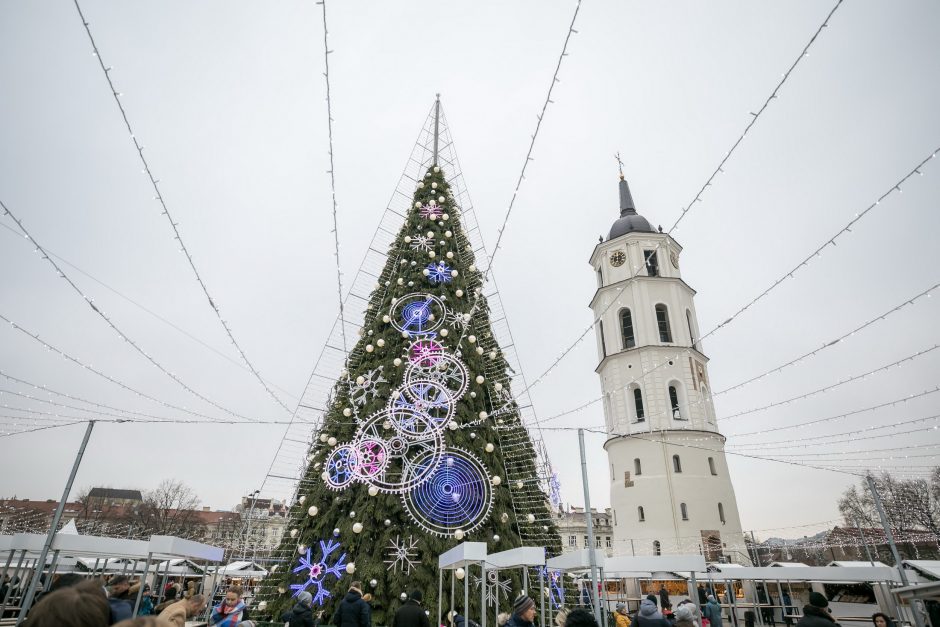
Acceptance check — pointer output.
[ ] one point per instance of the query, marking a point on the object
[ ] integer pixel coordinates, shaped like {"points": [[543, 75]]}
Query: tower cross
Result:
{"points": [[619, 164]]}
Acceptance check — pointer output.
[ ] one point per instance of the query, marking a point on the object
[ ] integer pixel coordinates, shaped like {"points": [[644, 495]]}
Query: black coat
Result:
{"points": [[816, 617], [352, 611], [299, 616], [411, 614]]}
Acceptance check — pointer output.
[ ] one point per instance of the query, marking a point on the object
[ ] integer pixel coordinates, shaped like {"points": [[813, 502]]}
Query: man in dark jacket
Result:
{"points": [[412, 614], [649, 616], [816, 614], [118, 598], [664, 596], [523, 612], [302, 613], [352, 610]]}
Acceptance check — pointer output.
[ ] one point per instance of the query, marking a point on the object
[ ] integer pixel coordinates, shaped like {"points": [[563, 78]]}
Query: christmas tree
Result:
{"points": [[421, 445]]}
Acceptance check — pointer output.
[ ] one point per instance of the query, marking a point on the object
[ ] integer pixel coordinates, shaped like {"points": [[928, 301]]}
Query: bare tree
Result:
{"points": [[169, 510]]}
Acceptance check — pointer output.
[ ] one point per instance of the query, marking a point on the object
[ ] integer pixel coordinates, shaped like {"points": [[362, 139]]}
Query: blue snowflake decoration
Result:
{"points": [[317, 571], [554, 487], [556, 586], [439, 273]]}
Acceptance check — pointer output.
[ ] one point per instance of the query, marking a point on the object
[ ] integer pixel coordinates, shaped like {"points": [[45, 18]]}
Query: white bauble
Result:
{"points": [[497, 386], [452, 425], [433, 185], [387, 523], [448, 234], [460, 573], [495, 537], [347, 412], [432, 254], [301, 549], [411, 283], [432, 202], [445, 217], [325, 475], [351, 567], [489, 447], [417, 205], [281, 589], [437, 169], [400, 281], [323, 436], [395, 394], [430, 233], [444, 332], [450, 255], [473, 394], [492, 354], [441, 199], [357, 527], [504, 517], [519, 485], [336, 532], [473, 436], [407, 239], [425, 272], [396, 361], [360, 380], [373, 491], [331, 441], [483, 415], [454, 273], [472, 339], [352, 514], [480, 379], [369, 348], [405, 335], [458, 535], [496, 480], [294, 532], [530, 518], [403, 596], [479, 350], [386, 319], [431, 316], [380, 342], [473, 268], [373, 583], [420, 184]]}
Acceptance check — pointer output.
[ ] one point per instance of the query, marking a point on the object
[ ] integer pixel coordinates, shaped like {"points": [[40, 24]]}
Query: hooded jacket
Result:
{"points": [[649, 616], [712, 612], [300, 616], [816, 617], [352, 611]]}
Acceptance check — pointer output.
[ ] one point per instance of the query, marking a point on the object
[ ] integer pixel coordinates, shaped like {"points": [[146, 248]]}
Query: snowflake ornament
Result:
{"points": [[431, 212], [402, 554], [318, 571], [456, 319], [439, 273], [422, 243], [361, 393]]}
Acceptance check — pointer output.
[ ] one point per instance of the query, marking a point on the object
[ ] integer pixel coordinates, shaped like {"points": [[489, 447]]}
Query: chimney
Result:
{"points": [[206, 508]]}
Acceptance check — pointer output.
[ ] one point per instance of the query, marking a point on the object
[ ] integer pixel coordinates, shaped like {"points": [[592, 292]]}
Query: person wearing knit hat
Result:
{"points": [[523, 612], [621, 616], [685, 615], [580, 617], [301, 615], [816, 612]]}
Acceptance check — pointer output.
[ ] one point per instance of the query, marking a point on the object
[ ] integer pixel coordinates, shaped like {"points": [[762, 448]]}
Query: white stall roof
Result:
{"points": [[169, 546], [847, 574], [179, 567], [856, 564], [463, 554], [788, 565], [517, 557], [575, 561], [654, 564], [242, 569], [99, 546], [930, 568]]}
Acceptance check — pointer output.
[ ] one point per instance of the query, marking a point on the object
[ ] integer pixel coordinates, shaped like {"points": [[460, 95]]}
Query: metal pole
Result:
{"points": [[16, 573], [55, 563], [437, 119], [140, 591], [884, 589], [482, 595], [27, 599], [542, 594], [440, 593], [466, 592], [590, 530], [915, 609]]}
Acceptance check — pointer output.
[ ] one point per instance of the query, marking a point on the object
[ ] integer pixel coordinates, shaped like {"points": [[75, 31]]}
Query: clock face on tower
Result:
{"points": [[617, 258], [674, 258]]}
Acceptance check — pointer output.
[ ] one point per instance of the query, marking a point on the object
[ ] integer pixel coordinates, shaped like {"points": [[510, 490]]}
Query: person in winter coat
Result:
{"points": [[230, 611], [816, 613], [580, 617], [411, 614], [621, 616], [302, 613], [119, 599], [664, 597], [352, 610], [459, 620], [712, 612], [685, 615], [649, 616], [523, 612], [179, 612]]}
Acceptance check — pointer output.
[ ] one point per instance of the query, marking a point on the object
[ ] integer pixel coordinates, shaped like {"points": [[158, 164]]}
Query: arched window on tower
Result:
{"points": [[676, 464], [674, 403], [662, 322], [688, 318], [626, 329], [721, 513], [600, 325], [638, 404], [637, 467], [657, 548], [640, 514], [684, 511], [711, 466]]}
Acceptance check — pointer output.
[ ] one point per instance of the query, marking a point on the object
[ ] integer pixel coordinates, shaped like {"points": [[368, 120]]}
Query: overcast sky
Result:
{"points": [[228, 98]]}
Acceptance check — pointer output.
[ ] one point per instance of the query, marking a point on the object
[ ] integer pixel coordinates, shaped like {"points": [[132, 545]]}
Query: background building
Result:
{"points": [[572, 527], [669, 486]]}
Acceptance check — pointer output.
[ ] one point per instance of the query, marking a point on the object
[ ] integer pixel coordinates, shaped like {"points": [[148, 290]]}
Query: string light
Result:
{"points": [[101, 314], [166, 211], [822, 440]]}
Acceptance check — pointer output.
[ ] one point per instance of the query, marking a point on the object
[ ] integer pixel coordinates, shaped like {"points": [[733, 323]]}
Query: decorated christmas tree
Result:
{"points": [[421, 446]]}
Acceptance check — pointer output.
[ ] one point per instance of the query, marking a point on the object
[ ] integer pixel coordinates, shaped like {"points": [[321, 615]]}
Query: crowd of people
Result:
{"points": [[76, 601]]}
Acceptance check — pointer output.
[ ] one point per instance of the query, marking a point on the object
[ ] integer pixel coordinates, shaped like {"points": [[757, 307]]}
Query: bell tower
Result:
{"points": [[669, 484]]}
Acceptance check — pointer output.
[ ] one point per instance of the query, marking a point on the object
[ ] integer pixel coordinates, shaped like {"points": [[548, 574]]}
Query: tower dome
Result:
{"points": [[629, 221]]}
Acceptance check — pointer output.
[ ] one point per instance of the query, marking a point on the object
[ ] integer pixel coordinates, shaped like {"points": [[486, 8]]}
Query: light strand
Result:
{"points": [[813, 441], [154, 182], [101, 314]]}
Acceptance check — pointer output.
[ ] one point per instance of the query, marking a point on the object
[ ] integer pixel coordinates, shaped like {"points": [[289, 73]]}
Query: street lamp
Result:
{"points": [[251, 511]]}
